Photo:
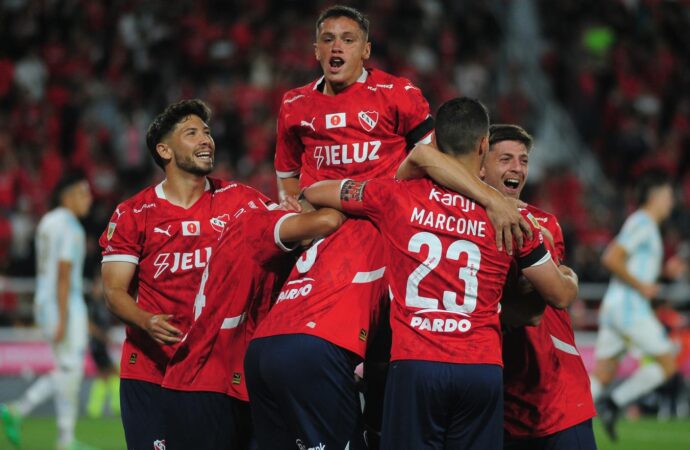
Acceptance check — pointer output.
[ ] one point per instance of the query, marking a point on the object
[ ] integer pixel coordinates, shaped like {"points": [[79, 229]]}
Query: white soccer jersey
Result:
{"points": [[59, 237], [641, 240]]}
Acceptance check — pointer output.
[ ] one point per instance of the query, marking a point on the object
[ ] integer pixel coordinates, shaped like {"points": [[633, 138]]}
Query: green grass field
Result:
{"points": [[107, 434]]}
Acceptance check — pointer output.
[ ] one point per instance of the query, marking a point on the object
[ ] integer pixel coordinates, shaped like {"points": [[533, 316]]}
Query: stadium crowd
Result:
{"points": [[80, 80]]}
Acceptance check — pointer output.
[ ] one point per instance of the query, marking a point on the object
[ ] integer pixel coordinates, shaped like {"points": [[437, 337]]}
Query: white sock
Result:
{"points": [[41, 390], [645, 379], [67, 404], [596, 387]]}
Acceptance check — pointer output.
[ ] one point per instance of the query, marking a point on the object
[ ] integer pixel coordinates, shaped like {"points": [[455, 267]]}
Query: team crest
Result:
{"points": [[111, 229], [368, 119], [218, 223]]}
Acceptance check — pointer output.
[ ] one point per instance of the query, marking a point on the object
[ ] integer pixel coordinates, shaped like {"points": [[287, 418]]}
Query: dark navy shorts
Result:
{"points": [[142, 414], [303, 394], [205, 420], [578, 437], [434, 405]]}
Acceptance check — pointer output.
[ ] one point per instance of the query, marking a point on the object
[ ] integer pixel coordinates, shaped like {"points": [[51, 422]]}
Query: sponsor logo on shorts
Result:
{"points": [[301, 446]]}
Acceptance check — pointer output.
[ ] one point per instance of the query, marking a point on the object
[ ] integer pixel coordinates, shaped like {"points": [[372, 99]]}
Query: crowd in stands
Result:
{"points": [[80, 80]]}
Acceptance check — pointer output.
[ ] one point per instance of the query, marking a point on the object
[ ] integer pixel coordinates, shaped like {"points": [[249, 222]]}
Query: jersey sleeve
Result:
{"points": [[289, 148], [262, 234], [415, 121], [633, 233], [533, 252], [121, 241]]}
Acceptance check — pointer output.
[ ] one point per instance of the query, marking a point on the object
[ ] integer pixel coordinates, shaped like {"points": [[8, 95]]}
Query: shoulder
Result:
{"points": [[545, 219], [298, 96]]}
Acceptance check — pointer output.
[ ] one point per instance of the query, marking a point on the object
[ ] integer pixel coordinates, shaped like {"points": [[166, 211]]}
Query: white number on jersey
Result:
{"points": [[467, 273]]}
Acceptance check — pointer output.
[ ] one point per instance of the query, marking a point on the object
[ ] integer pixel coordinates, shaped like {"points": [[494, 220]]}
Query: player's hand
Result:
{"points": [[508, 222], [290, 203], [650, 291], [159, 328], [59, 332]]}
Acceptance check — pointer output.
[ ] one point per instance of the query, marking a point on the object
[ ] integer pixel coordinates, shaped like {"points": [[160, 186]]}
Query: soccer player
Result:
{"points": [[354, 122], [444, 386], [60, 311], [626, 318], [155, 249], [546, 387]]}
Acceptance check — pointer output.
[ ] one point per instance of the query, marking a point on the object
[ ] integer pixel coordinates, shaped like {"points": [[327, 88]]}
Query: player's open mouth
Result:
{"points": [[511, 183], [336, 62], [205, 156]]}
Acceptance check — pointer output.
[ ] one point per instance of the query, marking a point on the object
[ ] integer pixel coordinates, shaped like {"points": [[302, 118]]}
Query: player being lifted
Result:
{"points": [[546, 386], [357, 122], [446, 276]]}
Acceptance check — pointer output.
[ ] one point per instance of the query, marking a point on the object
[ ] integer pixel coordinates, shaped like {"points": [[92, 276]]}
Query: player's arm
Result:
{"points": [[558, 286], [325, 194], [425, 160], [288, 192], [117, 276], [614, 259], [63, 286], [310, 225]]}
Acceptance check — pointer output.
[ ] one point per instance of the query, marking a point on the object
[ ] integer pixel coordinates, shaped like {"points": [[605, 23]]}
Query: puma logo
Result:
{"points": [[162, 231], [304, 123]]}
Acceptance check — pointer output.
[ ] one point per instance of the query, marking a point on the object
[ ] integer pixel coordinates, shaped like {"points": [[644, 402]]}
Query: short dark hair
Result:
{"points": [[344, 11], [508, 132], [460, 124], [648, 181], [166, 121], [66, 181]]}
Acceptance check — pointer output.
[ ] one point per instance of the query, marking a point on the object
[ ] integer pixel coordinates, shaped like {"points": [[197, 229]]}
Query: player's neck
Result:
{"points": [[653, 213], [183, 189], [471, 163]]}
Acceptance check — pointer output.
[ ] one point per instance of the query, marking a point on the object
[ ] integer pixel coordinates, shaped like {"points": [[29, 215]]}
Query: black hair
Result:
{"points": [[507, 132], [461, 123], [649, 181], [166, 121], [67, 180], [344, 11]]}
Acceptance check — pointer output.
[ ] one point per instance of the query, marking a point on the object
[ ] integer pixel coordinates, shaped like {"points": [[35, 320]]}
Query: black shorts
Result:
{"points": [[205, 420], [303, 394], [578, 437], [142, 414]]}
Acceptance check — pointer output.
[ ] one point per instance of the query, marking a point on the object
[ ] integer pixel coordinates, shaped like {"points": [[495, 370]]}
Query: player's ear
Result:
{"points": [[367, 51], [164, 151], [483, 147], [316, 52], [482, 171]]}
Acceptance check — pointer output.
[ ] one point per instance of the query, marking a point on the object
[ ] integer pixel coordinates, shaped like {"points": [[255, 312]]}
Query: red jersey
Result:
{"points": [[545, 381], [359, 133], [171, 247], [239, 281], [333, 292], [445, 272]]}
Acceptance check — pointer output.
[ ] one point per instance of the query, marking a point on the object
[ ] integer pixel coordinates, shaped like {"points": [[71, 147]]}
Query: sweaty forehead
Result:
{"points": [[510, 148]]}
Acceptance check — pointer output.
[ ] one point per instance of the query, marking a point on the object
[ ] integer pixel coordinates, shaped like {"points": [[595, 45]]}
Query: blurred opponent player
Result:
{"points": [[351, 122], [444, 386], [60, 311], [546, 387], [626, 317]]}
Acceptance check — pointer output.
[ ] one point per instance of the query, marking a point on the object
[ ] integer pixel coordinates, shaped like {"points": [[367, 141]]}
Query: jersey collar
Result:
{"points": [[160, 193], [320, 83]]}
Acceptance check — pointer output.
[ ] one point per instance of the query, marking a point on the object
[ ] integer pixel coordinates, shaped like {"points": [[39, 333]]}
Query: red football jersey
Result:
{"points": [[445, 272], [360, 133], [545, 381], [334, 291], [171, 246], [242, 276]]}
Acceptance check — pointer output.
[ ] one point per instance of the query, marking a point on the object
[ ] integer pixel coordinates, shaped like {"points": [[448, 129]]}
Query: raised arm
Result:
{"points": [[117, 277], [310, 225], [425, 160]]}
